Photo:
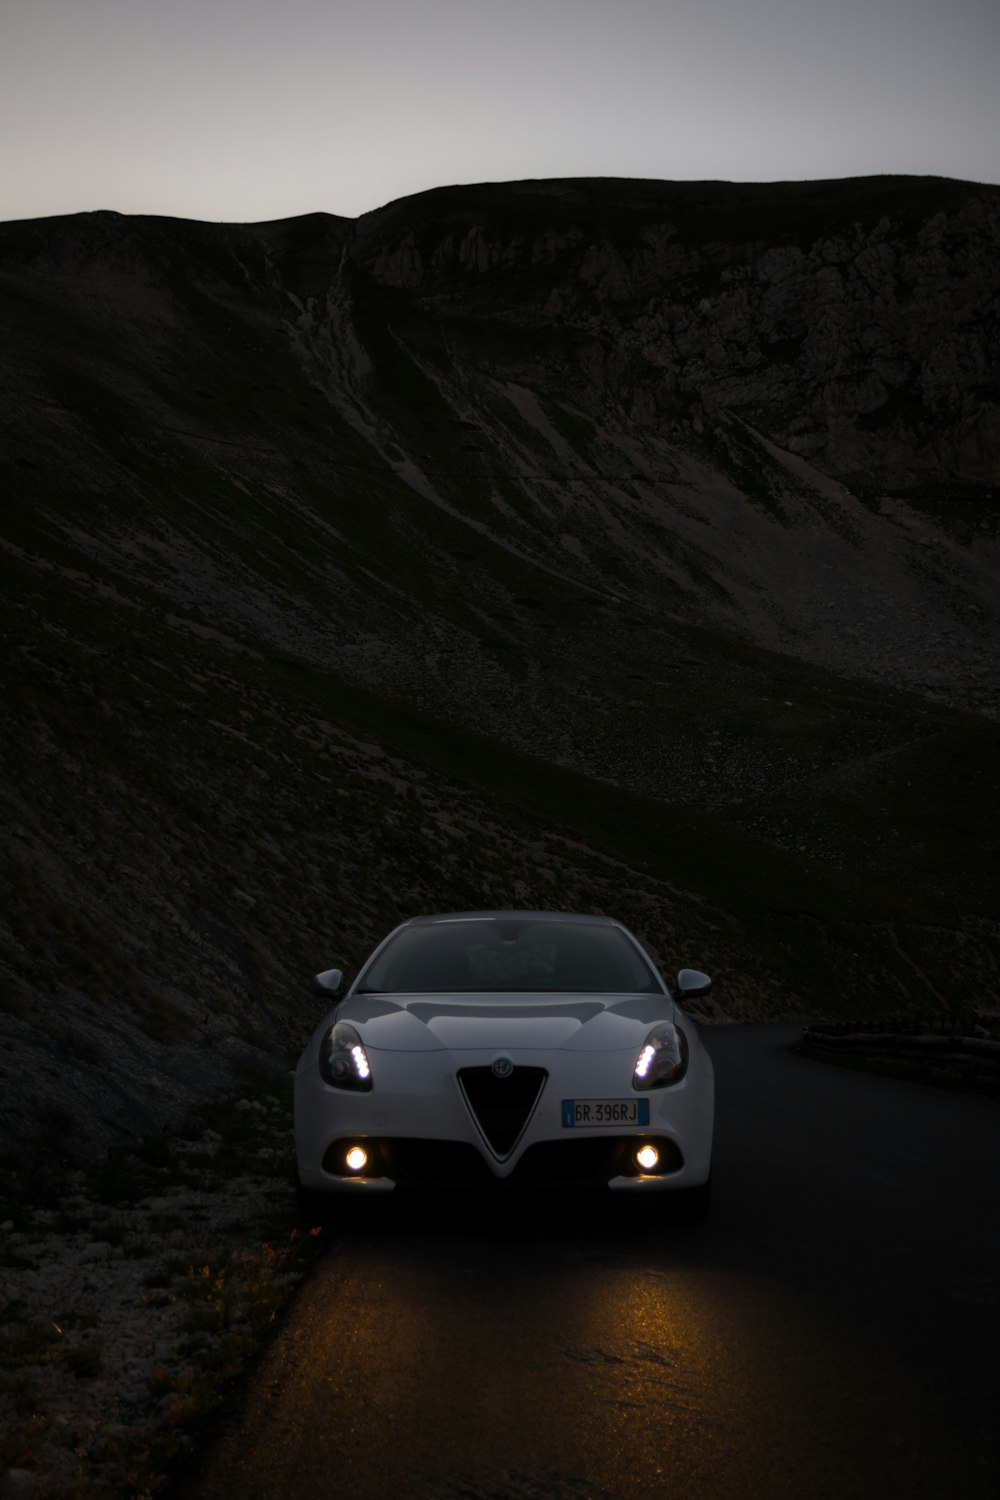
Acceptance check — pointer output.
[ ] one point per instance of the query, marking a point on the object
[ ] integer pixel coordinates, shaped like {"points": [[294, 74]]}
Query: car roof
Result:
{"points": [[510, 916]]}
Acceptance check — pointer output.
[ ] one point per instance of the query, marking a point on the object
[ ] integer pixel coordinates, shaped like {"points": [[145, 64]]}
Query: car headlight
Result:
{"points": [[663, 1059], [343, 1060]]}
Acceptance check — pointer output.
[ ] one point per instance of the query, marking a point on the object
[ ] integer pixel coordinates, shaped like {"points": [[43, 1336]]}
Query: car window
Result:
{"points": [[510, 955]]}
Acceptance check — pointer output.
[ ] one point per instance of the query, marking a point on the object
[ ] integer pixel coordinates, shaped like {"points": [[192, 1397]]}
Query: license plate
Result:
{"points": [[583, 1113]]}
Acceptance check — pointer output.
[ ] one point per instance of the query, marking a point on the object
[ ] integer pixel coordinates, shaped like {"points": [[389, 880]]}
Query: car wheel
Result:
{"points": [[693, 1204], [685, 1206], [313, 1208]]}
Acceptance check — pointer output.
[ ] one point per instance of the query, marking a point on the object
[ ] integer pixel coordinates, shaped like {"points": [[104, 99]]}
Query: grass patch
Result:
{"points": [[29, 1344], [687, 845], [85, 1361]]}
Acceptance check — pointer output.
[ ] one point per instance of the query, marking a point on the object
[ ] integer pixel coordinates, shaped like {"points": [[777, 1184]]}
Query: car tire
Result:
{"points": [[691, 1205], [312, 1208]]}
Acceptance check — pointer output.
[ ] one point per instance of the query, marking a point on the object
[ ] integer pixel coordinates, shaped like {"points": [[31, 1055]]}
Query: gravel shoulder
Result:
{"points": [[133, 1294]]}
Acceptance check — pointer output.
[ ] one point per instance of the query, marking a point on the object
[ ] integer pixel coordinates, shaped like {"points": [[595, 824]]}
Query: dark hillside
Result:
{"points": [[623, 546]]}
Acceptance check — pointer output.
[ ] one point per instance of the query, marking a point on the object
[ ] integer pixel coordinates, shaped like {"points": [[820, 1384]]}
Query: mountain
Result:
{"points": [[609, 545]]}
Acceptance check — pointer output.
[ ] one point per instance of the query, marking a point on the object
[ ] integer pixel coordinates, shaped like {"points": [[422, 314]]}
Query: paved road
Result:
{"points": [[833, 1331]]}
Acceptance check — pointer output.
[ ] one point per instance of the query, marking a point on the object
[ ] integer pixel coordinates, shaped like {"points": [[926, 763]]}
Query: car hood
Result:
{"points": [[421, 1023]]}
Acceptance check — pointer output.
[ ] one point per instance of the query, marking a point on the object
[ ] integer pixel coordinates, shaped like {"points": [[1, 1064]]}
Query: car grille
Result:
{"points": [[501, 1107], [586, 1161], [547, 1164], [437, 1163]]}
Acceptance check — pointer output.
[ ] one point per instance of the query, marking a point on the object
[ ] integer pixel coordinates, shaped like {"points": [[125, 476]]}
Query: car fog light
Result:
{"points": [[647, 1157], [356, 1158]]}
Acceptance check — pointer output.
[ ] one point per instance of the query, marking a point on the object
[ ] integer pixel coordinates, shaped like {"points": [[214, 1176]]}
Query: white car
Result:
{"points": [[504, 1049]]}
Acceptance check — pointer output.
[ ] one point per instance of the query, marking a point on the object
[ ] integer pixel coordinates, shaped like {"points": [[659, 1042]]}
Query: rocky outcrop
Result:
{"points": [[871, 348]]}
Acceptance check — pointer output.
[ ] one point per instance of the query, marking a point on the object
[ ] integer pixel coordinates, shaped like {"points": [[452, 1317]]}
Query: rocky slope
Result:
{"points": [[624, 546]]}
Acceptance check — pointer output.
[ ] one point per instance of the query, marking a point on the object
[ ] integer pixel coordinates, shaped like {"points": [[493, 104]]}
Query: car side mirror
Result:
{"points": [[691, 982], [329, 985]]}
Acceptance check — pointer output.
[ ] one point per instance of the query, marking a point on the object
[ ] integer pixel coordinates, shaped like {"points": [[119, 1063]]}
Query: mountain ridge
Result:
{"points": [[437, 564]]}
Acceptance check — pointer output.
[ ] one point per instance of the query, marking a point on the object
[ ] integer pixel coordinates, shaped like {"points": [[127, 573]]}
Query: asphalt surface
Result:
{"points": [[833, 1330]]}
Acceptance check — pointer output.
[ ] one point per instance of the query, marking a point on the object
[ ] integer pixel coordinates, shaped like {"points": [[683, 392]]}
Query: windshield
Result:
{"points": [[516, 955]]}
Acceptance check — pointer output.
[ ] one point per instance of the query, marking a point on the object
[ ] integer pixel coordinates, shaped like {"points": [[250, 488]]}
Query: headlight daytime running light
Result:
{"points": [[343, 1061], [663, 1059]]}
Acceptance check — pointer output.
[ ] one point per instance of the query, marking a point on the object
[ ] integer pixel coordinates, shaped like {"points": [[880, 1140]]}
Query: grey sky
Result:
{"points": [[240, 109]]}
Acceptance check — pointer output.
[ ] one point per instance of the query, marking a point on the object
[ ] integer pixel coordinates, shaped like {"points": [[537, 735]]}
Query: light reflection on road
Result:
{"points": [[465, 1359], [821, 1336]]}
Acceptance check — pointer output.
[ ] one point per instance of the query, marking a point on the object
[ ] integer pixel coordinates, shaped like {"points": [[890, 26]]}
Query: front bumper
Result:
{"points": [[420, 1131]]}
